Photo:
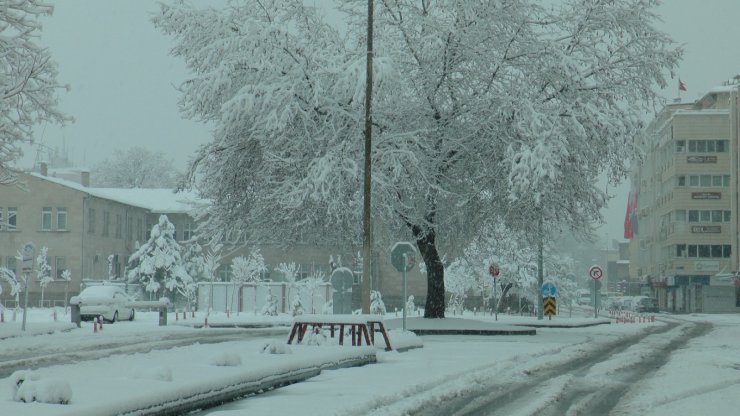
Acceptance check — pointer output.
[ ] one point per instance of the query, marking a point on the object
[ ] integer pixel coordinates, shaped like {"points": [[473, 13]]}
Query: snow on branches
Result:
{"points": [[28, 87], [157, 263]]}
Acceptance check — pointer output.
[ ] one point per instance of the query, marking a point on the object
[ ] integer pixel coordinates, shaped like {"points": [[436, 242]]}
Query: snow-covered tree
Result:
{"points": [[270, 308], [8, 276], [43, 271], [312, 284], [377, 307], [195, 267], [136, 167], [246, 270], [296, 305], [290, 274], [28, 84], [157, 263], [212, 263], [67, 278], [483, 111]]}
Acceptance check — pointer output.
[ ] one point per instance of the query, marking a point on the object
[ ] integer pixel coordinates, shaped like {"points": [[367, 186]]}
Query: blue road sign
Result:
{"points": [[548, 289]]}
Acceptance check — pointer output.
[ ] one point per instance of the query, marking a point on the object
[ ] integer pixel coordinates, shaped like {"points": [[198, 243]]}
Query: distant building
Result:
{"points": [[83, 227], [682, 216]]}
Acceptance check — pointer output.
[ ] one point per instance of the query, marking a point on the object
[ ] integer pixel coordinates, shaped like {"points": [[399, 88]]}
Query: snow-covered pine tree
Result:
{"points": [[271, 306], [29, 86], [483, 110], [157, 263], [43, 271]]}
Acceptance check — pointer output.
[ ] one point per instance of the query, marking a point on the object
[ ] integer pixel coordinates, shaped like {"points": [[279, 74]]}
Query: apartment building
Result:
{"points": [[92, 232], [682, 218]]}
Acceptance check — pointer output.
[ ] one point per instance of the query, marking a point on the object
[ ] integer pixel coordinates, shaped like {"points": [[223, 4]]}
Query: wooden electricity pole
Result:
{"points": [[367, 239]]}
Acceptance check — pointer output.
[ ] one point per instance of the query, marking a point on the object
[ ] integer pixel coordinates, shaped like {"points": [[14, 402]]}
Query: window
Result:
{"points": [[60, 265], [139, 230], [119, 226], [693, 180], [693, 215], [680, 146], [716, 250], [717, 181], [46, 219], [91, 221], [187, 231], [726, 215], [680, 250], [704, 250], [705, 216], [726, 251], [61, 219], [129, 228], [681, 180], [174, 231], [705, 180], [12, 218], [12, 264], [726, 181], [106, 218], [717, 216], [723, 146], [701, 146], [679, 215], [692, 146], [148, 230], [692, 250]]}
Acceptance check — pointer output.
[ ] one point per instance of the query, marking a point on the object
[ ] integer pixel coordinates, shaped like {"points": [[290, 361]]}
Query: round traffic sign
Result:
{"points": [[494, 270], [549, 290], [595, 272]]}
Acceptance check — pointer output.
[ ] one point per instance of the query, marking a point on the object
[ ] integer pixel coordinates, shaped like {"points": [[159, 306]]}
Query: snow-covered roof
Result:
{"points": [[158, 201]]}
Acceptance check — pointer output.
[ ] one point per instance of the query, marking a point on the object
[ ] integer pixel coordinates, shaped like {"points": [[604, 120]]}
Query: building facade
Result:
{"points": [[92, 232], [682, 218]]}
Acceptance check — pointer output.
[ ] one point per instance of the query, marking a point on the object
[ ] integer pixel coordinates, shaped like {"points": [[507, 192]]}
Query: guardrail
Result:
{"points": [[162, 304]]}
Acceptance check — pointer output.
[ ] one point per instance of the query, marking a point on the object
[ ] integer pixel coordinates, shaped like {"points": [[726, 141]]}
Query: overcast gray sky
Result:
{"points": [[123, 78]]}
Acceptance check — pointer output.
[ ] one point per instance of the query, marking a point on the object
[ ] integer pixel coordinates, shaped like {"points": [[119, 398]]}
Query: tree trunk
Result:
{"points": [[435, 304]]}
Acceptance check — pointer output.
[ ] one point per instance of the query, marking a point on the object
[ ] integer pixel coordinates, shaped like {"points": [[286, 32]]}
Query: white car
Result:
{"points": [[110, 302]]}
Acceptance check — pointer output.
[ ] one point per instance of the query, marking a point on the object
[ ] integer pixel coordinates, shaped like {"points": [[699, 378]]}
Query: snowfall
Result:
{"points": [[702, 378]]}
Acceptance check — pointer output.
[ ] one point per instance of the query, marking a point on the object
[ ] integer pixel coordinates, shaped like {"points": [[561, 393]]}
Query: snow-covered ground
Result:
{"points": [[701, 378]]}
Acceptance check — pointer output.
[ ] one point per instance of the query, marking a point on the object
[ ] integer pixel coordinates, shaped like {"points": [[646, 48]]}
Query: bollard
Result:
{"points": [[95, 325], [193, 309], [184, 315], [177, 315], [2, 317], [206, 324], [100, 322], [55, 315]]}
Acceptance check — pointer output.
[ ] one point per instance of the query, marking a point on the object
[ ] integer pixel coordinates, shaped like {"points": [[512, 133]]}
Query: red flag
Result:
{"points": [[628, 219], [681, 85]]}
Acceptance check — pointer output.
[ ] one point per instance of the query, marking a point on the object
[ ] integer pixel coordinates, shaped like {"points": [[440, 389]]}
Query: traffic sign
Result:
{"points": [[398, 260], [494, 270], [596, 272], [549, 306], [548, 289]]}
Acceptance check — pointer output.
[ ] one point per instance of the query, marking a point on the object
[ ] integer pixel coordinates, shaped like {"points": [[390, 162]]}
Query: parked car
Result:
{"points": [[646, 304], [110, 302]]}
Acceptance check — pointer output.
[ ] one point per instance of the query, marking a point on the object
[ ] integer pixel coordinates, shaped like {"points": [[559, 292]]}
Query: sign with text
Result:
{"points": [[701, 159], [706, 195], [713, 229]]}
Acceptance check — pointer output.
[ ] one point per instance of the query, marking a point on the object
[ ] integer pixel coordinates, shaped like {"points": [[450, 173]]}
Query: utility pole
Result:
{"points": [[540, 272], [367, 238]]}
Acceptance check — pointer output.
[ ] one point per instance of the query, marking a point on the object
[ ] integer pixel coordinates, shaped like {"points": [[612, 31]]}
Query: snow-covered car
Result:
{"points": [[646, 304], [110, 302]]}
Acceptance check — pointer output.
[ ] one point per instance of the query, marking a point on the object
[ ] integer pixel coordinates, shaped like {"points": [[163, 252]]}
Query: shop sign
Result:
{"points": [[701, 159], [706, 195], [713, 229]]}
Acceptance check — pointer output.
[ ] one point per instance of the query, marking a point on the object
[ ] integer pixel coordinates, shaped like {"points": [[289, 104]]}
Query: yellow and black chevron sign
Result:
{"points": [[549, 306]]}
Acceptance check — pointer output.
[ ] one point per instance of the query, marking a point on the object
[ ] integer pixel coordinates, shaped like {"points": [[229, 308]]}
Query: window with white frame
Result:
{"points": [[119, 226], [62, 219], [106, 218], [46, 219], [60, 265], [91, 221], [187, 231]]}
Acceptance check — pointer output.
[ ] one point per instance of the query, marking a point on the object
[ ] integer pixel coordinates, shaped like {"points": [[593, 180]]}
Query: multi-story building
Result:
{"points": [[92, 232], [683, 212]]}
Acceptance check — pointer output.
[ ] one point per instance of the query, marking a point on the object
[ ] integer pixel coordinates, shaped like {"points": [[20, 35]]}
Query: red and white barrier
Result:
{"points": [[95, 325]]}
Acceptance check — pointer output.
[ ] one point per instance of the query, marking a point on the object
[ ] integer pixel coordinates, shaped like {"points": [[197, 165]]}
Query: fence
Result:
{"points": [[241, 297]]}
